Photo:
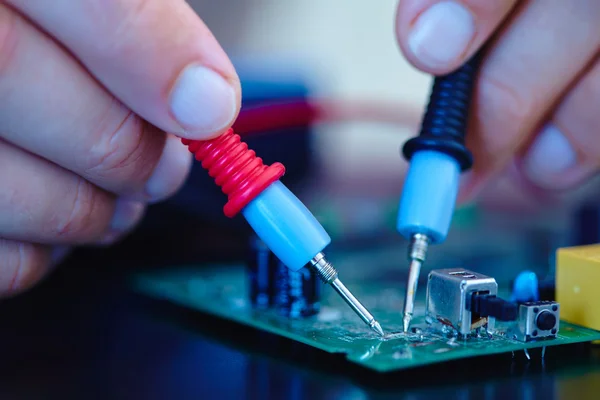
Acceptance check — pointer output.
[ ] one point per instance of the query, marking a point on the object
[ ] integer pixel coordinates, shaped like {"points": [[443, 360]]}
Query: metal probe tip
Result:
{"points": [[328, 274], [355, 305], [416, 254], [377, 328], [406, 322]]}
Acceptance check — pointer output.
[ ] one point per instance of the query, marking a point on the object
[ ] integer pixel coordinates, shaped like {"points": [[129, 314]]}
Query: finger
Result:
{"points": [[567, 150], [157, 56], [52, 106], [21, 266], [46, 204], [437, 36], [532, 64]]}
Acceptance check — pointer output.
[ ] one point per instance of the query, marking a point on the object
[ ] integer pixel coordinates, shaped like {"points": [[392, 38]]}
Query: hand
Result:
{"points": [[537, 103], [88, 90]]}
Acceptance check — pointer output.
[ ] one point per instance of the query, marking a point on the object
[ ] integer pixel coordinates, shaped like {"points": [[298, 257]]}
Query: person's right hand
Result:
{"points": [[88, 89], [537, 102]]}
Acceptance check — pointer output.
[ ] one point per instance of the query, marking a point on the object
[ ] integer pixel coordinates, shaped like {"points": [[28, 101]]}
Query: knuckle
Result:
{"points": [[506, 98], [124, 154], [78, 218], [9, 23], [505, 105]]}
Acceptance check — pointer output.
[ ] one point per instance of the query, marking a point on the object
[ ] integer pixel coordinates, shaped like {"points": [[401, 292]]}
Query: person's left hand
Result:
{"points": [[93, 93]]}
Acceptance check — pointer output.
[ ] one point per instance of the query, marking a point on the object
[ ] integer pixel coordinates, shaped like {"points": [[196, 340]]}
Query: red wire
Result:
{"points": [[300, 113], [276, 116]]}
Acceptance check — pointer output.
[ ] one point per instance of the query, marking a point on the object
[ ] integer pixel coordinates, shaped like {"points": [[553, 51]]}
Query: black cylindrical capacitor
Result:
{"points": [[262, 270], [297, 293], [294, 294]]}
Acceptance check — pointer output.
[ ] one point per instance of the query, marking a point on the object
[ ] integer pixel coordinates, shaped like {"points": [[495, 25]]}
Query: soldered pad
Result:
{"points": [[222, 291]]}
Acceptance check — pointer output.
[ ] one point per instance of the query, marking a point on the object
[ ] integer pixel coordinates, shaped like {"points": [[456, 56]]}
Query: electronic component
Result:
{"points": [[489, 305], [577, 277], [272, 285], [277, 216], [297, 293], [525, 288], [219, 290], [262, 270], [437, 157], [537, 320], [465, 301], [449, 299]]}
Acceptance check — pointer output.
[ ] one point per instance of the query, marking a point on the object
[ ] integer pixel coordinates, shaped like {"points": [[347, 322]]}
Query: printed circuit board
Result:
{"points": [[222, 290]]}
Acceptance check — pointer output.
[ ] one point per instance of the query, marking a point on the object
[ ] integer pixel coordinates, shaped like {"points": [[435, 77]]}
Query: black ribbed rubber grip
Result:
{"points": [[444, 125]]}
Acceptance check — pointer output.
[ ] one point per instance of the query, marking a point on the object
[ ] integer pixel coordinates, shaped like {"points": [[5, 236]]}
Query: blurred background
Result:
{"points": [[80, 329], [341, 50], [350, 171], [348, 47]]}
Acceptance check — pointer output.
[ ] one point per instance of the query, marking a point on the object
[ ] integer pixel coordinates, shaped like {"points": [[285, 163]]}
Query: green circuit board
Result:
{"points": [[222, 290]]}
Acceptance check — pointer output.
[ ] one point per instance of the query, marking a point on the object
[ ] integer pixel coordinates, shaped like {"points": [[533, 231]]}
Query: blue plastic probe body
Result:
{"points": [[278, 217], [286, 226], [429, 196], [295, 236], [438, 156]]}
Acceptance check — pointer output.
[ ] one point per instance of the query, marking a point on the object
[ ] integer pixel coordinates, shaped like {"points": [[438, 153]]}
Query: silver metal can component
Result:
{"points": [[449, 293]]}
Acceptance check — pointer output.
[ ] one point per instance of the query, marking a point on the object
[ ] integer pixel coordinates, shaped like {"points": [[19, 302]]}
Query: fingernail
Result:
{"points": [[442, 34], [127, 215], [202, 101], [550, 155], [170, 172]]}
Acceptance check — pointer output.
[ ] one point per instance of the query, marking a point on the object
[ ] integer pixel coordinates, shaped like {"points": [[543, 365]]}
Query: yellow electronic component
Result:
{"points": [[577, 290]]}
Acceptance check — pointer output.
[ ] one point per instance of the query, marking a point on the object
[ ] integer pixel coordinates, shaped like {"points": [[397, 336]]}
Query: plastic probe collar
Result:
{"points": [[437, 157], [277, 216], [429, 196], [290, 230]]}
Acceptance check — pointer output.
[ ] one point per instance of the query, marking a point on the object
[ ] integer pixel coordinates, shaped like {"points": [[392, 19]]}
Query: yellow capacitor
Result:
{"points": [[578, 285]]}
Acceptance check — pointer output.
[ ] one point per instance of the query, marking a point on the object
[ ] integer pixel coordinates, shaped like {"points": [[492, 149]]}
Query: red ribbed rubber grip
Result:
{"points": [[236, 169]]}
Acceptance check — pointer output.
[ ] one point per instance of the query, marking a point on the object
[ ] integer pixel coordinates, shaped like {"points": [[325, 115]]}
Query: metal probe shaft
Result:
{"points": [[329, 274], [416, 254], [411, 290]]}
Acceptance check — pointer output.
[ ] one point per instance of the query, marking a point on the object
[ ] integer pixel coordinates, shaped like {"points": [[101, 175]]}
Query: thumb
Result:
{"points": [[437, 36]]}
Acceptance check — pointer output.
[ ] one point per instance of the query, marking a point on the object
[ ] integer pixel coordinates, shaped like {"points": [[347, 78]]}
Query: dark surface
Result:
{"points": [[83, 335]]}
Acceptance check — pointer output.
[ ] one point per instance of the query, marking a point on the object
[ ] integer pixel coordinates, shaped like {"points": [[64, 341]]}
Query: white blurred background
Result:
{"points": [[349, 48]]}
